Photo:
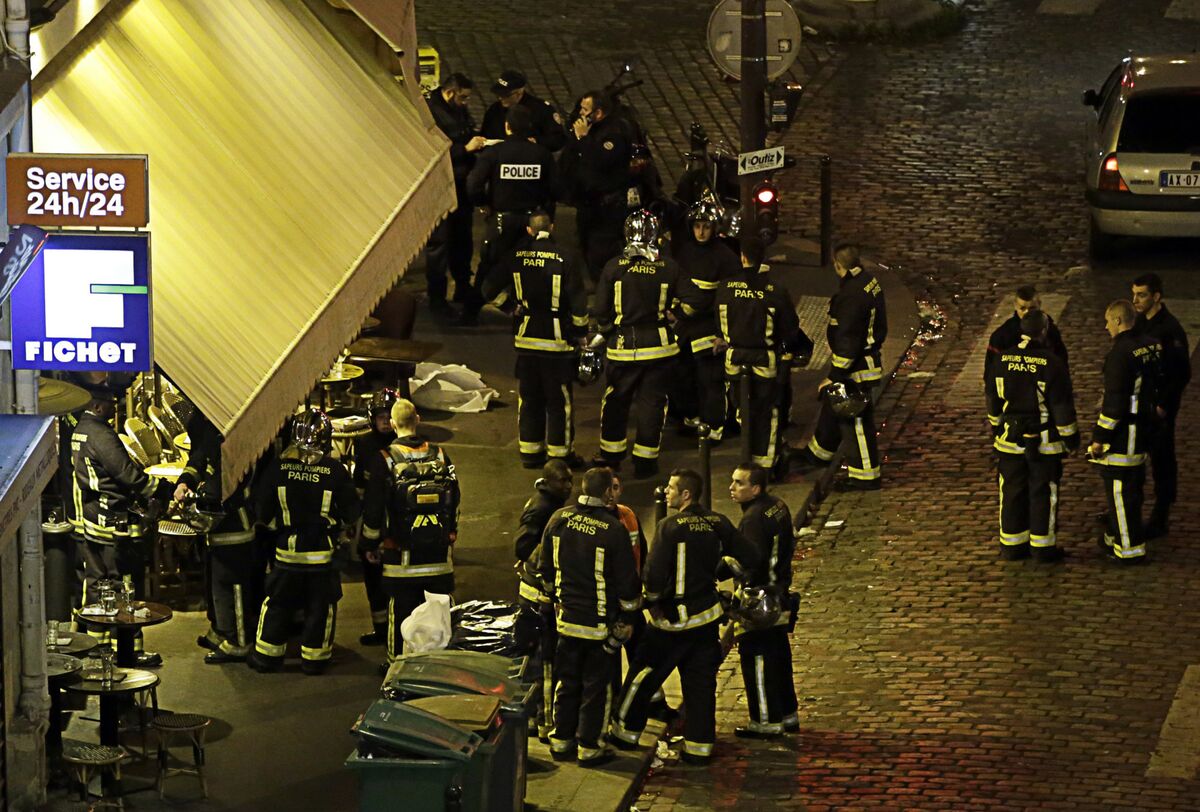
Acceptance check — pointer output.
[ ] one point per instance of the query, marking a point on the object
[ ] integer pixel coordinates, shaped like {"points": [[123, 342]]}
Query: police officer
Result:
{"points": [[234, 570], [587, 566], [306, 499], [1032, 412], [756, 326], [705, 261], [1008, 334], [366, 449], [1132, 376], [1156, 321], [680, 591], [511, 179], [766, 654], [410, 520], [544, 290], [551, 492], [857, 329], [108, 485], [512, 91], [635, 295], [451, 245], [595, 170]]}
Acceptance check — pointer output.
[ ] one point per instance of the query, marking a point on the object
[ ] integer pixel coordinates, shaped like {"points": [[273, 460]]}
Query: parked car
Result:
{"points": [[1143, 155]]}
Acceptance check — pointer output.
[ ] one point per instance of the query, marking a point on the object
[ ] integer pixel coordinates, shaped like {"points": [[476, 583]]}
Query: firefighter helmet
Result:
{"points": [[641, 234], [846, 399], [706, 212], [591, 364], [381, 402], [312, 433], [757, 608]]}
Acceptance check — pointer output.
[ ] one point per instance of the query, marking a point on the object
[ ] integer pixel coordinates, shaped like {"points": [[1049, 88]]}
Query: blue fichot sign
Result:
{"points": [[84, 304]]}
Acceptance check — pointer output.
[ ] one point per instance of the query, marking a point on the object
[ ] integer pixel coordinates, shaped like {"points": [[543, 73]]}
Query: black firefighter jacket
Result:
{"points": [[680, 575], [587, 567], [549, 295], [107, 482], [632, 301], [703, 266], [534, 518], [1132, 379], [857, 328], [757, 320], [203, 476], [305, 506], [1030, 402]]}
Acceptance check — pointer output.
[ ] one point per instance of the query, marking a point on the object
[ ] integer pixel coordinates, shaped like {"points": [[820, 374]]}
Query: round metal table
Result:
{"points": [[77, 644], [126, 626]]}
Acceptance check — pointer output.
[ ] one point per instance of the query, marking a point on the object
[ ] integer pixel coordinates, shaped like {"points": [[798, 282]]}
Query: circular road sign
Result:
{"points": [[725, 37]]}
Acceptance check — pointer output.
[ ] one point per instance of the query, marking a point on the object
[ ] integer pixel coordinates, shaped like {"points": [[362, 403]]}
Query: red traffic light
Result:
{"points": [[765, 195]]}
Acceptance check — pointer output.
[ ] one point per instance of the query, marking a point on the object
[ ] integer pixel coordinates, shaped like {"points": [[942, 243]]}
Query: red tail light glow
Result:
{"points": [[1110, 176]]}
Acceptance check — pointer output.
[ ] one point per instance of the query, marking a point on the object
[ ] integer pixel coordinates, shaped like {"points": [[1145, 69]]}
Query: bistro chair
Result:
{"points": [[135, 450], [146, 437], [181, 728], [168, 428], [87, 760]]}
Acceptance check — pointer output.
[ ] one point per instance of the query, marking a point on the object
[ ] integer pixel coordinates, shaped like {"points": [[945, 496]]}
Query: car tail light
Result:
{"points": [[1110, 176]]}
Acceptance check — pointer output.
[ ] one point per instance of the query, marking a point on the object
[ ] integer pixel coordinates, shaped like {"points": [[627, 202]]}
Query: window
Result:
{"points": [[1165, 121]]}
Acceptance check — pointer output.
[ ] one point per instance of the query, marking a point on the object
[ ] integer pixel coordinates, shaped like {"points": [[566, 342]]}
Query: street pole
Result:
{"points": [[754, 88]]}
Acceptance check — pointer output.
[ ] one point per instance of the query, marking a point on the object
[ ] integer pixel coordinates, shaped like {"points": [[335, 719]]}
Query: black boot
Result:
{"points": [[1160, 518]]}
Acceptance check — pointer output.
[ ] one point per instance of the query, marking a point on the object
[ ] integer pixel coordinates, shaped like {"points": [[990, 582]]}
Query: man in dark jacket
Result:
{"points": [[551, 492], [451, 245], [512, 90], [1156, 321], [595, 170], [680, 590], [766, 654], [1008, 334], [366, 450], [1032, 412], [307, 501], [108, 486], [1132, 377]]}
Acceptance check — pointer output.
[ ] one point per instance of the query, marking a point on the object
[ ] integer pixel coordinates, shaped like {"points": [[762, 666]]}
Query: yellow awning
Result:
{"points": [[292, 181]]}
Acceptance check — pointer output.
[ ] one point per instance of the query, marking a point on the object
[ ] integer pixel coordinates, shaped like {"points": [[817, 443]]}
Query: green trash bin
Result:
{"points": [[431, 763], [446, 673]]}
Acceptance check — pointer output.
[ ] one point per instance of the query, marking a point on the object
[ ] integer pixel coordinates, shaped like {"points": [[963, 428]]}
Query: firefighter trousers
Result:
{"points": [[377, 599], [405, 595], [1123, 490], [1162, 461], [697, 655], [502, 232], [1028, 501], [449, 251], [699, 390], [545, 422], [314, 591], [583, 697], [642, 386], [763, 418], [236, 584], [547, 647], [858, 434], [767, 674]]}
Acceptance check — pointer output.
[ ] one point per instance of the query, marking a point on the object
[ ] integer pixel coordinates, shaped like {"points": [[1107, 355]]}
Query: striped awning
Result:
{"points": [[292, 181]]}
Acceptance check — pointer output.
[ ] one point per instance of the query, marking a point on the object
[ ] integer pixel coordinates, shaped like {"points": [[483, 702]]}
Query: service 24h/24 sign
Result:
{"points": [[84, 304], [105, 191]]}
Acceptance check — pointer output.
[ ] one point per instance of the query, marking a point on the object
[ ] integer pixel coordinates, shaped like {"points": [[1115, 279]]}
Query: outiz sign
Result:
{"points": [[84, 304], [763, 160]]}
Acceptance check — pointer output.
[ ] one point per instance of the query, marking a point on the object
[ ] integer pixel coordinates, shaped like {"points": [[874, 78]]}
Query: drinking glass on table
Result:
{"points": [[106, 667], [51, 633], [108, 598], [127, 596]]}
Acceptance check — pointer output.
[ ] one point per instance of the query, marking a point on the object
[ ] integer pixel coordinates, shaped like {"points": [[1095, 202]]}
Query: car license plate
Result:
{"points": [[1179, 180]]}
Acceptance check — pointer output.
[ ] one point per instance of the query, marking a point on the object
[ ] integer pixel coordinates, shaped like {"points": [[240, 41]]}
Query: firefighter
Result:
{"points": [[766, 654], [1155, 320], [756, 327], [637, 543], [857, 329], [410, 520], [595, 170], [544, 291], [366, 449], [234, 569], [1031, 409], [511, 180], [307, 501], [109, 490], [587, 566], [1132, 377], [704, 260], [512, 90], [679, 579], [636, 294], [551, 492], [1008, 334]]}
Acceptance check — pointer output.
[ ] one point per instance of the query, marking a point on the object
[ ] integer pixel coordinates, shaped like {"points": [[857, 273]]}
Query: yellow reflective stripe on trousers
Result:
{"points": [[643, 353], [707, 616], [298, 557], [582, 632], [262, 646], [326, 649], [697, 748], [556, 344], [417, 570]]}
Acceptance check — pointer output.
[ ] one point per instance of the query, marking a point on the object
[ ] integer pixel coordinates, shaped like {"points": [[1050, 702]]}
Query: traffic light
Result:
{"points": [[766, 211]]}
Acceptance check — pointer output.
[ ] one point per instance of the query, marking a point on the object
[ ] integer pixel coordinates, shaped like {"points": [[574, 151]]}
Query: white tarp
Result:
{"points": [[450, 388]]}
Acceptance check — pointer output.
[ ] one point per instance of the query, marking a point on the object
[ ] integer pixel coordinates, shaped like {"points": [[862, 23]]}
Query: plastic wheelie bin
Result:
{"points": [[431, 763], [446, 673]]}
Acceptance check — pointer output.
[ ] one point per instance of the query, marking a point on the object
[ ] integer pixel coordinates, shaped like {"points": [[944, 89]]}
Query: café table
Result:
{"points": [[125, 625], [73, 644], [61, 670], [134, 681]]}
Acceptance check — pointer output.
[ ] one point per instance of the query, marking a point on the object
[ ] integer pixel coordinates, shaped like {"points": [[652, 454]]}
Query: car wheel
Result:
{"points": [[1101, 246]]}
